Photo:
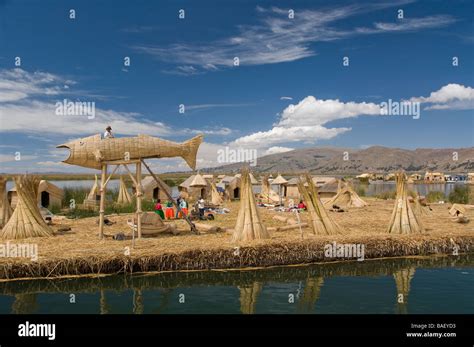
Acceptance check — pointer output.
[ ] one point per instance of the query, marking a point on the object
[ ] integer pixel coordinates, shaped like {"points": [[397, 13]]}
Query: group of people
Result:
{"points": [[167, 210]]}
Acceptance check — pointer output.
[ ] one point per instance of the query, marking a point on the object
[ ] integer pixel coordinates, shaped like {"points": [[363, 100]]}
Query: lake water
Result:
{"points": [[435, 285], [370, 189]]}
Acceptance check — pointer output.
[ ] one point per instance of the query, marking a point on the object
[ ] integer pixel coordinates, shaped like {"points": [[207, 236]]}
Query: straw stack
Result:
{"points": [[124, 197], [94, 190], [403, 220], [320, 222], [5, 208], [216, 198], [267, 193], [249, 225], [346, 197], [26, 221]]}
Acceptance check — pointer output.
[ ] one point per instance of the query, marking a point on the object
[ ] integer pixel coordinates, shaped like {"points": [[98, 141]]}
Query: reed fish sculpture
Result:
{"points": [[92, 151]]}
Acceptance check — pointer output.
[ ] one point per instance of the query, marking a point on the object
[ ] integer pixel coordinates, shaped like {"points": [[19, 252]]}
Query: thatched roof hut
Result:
{"points": [[26, 220], [232, 186], [327, 187], [48, 195], [154, 191], [194, 187]]}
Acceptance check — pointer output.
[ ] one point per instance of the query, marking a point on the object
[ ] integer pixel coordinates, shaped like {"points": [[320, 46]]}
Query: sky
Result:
{"points": [[263, 76]]}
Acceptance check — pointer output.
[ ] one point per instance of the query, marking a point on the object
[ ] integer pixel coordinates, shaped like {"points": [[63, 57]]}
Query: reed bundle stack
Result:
{"points": [[216, 198], [249, 225], [346, 197], [124, 197], [320, 221], [403, 220], [26, 220]]}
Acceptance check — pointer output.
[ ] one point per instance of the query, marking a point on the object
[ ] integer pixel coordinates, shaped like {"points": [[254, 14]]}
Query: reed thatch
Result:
{"points": [[249, 225], [403, 220], [25, 304], [124, 197], [5, 208], [418, 208], [26, 220], [216, 198], [346, 197], [320, 221], [248, 297]]}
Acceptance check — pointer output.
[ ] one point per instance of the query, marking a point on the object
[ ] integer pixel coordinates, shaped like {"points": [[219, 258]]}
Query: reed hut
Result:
{"points": [[48, 195], [280, 181], [249, 225], [124, 197], [5, 208], [231, 186], [346, 197], [152, 190], [320, 221], [26, 220], [194, 187], [403, 220]]}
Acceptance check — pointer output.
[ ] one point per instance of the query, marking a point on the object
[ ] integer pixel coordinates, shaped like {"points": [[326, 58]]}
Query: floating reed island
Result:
{"points": [[80, 252], [243, 233]]}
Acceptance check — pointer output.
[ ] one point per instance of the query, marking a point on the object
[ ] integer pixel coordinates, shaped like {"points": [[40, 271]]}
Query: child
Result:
{"points": [[183, 206], [169, 212]]}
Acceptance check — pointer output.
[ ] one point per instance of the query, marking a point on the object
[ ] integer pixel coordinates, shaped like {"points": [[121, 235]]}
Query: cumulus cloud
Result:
{"points": [[277, 149], [450, 96], [305, 122]]}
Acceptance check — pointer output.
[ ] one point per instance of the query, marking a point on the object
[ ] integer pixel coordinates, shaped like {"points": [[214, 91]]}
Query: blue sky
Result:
{"points": [[190, 61]]}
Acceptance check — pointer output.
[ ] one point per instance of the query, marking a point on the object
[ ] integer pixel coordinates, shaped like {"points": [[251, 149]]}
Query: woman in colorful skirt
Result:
{"points": [[183, 207], [169, 212], [159, 209]]}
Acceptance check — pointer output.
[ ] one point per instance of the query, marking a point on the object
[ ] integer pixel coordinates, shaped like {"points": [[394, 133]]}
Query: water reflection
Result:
{"points": [[249, 292]]}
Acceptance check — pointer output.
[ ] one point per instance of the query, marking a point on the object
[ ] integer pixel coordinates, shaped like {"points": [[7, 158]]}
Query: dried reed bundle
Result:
{"points": [[403, 220], [5, 208], [248, 297], [320, 221], [249, 225], [346, 197], [26, 221], [124, 197], [216, 198]]}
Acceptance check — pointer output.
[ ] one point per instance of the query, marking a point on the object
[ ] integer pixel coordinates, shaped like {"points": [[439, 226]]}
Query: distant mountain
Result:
{"points": [[331, 160]]}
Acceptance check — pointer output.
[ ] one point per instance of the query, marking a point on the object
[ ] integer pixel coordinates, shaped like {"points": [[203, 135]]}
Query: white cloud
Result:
{"points": [[277, 149], [450, 96], [267, 41], [305, 122], [286, 98]]}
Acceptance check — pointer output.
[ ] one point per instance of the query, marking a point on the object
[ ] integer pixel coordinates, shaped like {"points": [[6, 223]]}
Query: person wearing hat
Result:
{"points": [[108, 133]]}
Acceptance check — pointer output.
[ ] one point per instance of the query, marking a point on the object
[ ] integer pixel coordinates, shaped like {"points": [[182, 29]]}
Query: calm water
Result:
{"points": [[432, 285], [370, 189]]}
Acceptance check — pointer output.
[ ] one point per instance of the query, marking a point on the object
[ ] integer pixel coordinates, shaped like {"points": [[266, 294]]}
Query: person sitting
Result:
{"points": [[108, 133], [301, 205], [159, 209], [201, 205]]}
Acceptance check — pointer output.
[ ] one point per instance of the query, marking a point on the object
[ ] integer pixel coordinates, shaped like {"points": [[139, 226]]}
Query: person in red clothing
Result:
{"points": [[159, 209], [301, 205]]}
